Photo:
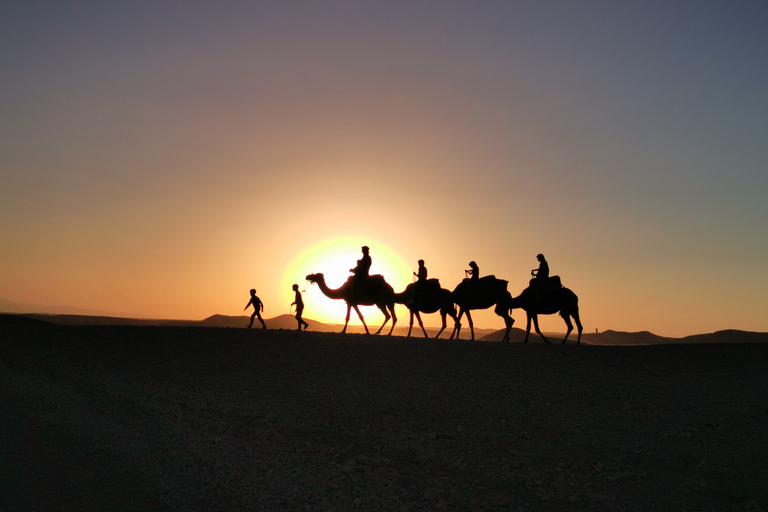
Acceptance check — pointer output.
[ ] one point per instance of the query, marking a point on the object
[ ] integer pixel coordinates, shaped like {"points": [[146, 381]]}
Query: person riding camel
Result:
{"points": [[473, 272], [421, 283], [543, 271], [360, 272], [421, 275], [363, 265], [540, 275]]}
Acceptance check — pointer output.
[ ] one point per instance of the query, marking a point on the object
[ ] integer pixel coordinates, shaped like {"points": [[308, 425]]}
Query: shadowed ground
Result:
{"points": [[177, 418]]}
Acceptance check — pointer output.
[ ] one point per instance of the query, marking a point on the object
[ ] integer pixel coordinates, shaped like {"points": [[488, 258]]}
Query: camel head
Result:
{"points": [[315, 278]]}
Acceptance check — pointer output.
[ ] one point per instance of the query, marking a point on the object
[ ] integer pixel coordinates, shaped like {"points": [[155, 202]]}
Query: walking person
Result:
{"points": [[299, 302], [258, 307]]}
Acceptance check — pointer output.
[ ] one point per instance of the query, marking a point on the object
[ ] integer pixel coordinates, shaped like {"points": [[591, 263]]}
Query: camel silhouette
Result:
{"points": [[481, 294], [556, 300], [427, 297], [370, 291]]}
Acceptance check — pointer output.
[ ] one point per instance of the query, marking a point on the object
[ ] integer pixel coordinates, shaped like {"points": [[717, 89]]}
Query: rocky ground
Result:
{"points": [[177, 418]]}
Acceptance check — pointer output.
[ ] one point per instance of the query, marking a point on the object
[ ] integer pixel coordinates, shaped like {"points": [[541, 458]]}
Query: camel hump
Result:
{"points": [[491, 282], [549, 285], [484, 285], [376, 278]]}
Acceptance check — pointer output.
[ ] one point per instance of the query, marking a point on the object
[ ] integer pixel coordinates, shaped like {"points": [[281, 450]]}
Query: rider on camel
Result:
{"points": [[540, 275], [363, 265], [473, 272]]}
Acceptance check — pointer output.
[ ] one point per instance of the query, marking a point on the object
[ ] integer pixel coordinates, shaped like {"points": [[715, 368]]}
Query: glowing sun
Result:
{"points": [[334, 258]]}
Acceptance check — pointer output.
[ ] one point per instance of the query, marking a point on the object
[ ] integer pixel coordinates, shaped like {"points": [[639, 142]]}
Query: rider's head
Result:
{"points": [[253, 291], [539, 257], [472, 264], [365, 249], [421, 263]]}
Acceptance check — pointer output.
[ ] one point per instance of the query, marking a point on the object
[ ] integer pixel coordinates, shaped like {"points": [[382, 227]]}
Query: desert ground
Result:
{"points": [[106, 417]]}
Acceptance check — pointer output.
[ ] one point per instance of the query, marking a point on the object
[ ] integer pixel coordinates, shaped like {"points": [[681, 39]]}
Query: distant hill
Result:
{"points": [[289, 322], [625, 338], [728, 336], [7, 319], [9, 306], [633, 338], [647, 338], [515, 336], [241, 321]]}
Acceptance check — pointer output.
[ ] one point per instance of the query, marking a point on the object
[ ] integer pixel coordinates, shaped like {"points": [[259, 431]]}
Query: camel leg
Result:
{"points": [[394, 318], [527, 327], [576, 318], [386, 318], [471, 326], [443, 315], [508, 322], [421, 324], [360, 316], [457, 325], [568, 324], [346, 321], [503, 312], [538, 331], [410, 328]]}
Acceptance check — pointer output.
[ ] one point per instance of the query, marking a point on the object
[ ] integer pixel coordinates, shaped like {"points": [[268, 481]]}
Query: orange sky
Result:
{"points": [[160, 163]]}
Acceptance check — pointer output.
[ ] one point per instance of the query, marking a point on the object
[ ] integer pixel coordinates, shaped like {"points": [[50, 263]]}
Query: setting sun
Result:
{"points": [[334, 258]]}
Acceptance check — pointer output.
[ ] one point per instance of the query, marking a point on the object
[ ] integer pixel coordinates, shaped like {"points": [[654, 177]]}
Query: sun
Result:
{"points": [[334, 258]]}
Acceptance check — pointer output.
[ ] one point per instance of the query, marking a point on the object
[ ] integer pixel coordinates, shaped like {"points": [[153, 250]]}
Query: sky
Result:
{"points": [[160, 158]]}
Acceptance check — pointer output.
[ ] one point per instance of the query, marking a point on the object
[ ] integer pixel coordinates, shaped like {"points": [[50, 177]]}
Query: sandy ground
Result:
{"points": [[174, 418]]}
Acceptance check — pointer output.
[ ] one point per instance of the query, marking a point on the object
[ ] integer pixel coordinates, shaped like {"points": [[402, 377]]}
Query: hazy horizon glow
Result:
{"points": [[161, 158]]}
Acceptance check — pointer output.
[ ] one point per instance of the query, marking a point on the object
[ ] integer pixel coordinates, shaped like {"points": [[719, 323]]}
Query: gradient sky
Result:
{"points": [[159, 159]]}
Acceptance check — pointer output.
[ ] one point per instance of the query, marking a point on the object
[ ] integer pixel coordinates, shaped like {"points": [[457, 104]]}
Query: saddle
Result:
{"points": [[485, 285], [428, 286], [545, 286]]}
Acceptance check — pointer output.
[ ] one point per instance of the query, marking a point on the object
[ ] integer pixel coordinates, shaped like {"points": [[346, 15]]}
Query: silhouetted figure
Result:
{"points": [[542, 272], [363, 264], [474, 271], [421, 274], [299, 302], [418, 288], [540, 275], [360, 272], [258, 307]]}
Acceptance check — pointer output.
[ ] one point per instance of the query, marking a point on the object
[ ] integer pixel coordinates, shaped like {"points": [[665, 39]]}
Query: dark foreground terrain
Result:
{"points": [[198, 419]]}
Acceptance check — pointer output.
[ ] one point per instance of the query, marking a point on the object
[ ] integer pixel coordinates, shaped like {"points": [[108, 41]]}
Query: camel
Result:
{"points": [[481, 294], [556, 300], [427, 297], [371, 291]]}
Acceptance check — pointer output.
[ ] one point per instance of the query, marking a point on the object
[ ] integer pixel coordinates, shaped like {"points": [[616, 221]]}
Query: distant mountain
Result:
{"points": [[289, 322], [9, 306], [633, 338], [728, 336], [278, 322], [515, 336], [8, 319]]}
